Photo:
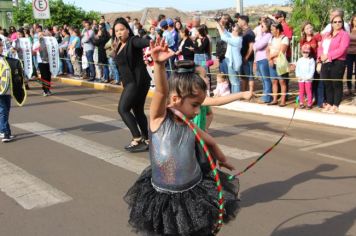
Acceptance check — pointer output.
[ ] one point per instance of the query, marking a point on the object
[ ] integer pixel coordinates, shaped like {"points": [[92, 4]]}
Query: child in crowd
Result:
{"points": [[222, 87], [205, 116], [173, 196], [304, 71]]}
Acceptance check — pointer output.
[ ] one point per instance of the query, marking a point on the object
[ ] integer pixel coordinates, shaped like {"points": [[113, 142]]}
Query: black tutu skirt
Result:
{"points": [[193, 212]]}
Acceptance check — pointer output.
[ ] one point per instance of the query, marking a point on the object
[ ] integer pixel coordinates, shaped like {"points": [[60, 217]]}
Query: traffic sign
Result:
{"points": [[41, 9]]}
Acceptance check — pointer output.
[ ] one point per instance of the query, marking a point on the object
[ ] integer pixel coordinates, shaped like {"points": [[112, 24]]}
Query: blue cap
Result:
{"points": [[170, 22], [163, 23]]}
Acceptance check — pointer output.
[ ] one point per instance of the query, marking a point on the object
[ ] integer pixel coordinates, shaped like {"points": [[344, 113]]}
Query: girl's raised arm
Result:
{"points": [[160, 54]]}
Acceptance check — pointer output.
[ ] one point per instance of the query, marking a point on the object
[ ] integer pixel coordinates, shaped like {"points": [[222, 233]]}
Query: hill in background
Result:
{"points": [[254, 12]]}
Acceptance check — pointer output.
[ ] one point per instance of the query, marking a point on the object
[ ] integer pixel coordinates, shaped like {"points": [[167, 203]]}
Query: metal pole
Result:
{"points": [[239, 6]]}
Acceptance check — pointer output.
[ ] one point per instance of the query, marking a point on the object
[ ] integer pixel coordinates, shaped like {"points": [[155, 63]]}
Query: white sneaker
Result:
{"points": [[7, 138], [2, 135]]}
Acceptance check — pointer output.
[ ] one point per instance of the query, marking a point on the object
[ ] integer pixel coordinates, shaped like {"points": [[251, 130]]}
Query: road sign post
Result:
{"points": [[41, 9]]}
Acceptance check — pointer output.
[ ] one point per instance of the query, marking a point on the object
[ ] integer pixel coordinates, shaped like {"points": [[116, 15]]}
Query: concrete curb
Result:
{"points": [[340, 120], [95, 85]]}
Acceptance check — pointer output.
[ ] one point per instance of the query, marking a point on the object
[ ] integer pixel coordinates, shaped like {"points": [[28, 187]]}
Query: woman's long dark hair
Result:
{"points": [[122, 21]]}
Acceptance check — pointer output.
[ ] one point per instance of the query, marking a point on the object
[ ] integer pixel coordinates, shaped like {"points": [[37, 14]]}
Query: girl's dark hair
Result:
{"points": [[352, 22], [278, 26], [142, 32], [304, 35], [185, 31], [185, 82], [175, 25], [66, 31], [268, 24], [122, 21], [202, 31], [77, 32]]}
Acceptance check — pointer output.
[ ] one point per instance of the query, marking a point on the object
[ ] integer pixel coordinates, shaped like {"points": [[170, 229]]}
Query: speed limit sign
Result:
{"points": [[41, 9]]}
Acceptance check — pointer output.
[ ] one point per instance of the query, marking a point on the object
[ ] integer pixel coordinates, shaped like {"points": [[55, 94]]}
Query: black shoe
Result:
{"points": [[91, 80], [27, 87], [7, 138], [137, 146]]}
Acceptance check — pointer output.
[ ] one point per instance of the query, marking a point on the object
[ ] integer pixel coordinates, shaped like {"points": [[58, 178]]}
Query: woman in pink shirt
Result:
{"points": [[332, 53]]}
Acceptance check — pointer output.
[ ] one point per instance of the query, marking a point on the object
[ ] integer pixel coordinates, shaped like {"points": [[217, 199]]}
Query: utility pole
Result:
{"points": [[239, 7]]}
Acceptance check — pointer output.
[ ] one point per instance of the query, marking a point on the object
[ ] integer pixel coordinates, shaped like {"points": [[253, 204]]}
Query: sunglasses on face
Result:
{"points": [[305, 52], [337, 22]]}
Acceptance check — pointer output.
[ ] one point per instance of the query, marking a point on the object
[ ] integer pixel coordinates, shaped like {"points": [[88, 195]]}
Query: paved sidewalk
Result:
{"points": [[345, 118]]}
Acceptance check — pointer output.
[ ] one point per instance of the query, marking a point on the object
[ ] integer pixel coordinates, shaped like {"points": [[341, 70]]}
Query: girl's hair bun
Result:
{"points": [[185, 66]]}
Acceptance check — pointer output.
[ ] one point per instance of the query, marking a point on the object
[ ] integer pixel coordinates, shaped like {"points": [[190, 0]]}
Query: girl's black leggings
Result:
{"points": [[131, 109]]}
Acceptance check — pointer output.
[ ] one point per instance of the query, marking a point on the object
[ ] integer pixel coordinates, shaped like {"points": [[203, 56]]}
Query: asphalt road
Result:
{"points": [[66, 173]]}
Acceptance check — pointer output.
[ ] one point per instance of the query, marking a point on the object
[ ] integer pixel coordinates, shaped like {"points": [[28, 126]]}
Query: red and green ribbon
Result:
{"points": [[212, 167], [231, 177]]}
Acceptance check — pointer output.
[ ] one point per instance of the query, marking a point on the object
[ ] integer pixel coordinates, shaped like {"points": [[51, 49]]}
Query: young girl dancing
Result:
{"points": [[173, 196]]}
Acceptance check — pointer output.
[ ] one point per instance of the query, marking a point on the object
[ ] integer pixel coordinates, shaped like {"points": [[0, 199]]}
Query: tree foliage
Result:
{"points": [[317, 12], [61, 13]]}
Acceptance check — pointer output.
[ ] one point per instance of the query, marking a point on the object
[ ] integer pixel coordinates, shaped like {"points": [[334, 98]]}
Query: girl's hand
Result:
{"points": [[226, 165], [247, 95], [160, 52]]}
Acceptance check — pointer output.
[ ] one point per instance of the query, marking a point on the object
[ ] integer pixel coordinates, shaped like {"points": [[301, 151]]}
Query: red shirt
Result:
{"points": [[287, 31], [313, 43]]}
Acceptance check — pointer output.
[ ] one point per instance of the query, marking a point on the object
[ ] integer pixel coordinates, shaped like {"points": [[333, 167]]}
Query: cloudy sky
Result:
{"points": [[186, 5]]}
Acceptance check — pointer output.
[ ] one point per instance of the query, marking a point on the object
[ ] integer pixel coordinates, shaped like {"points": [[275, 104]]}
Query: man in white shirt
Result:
{"points": [[334, 13]]}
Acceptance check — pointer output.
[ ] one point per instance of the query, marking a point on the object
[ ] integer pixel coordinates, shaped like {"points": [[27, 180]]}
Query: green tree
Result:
{"points": [[61, 13], [317, 12]]}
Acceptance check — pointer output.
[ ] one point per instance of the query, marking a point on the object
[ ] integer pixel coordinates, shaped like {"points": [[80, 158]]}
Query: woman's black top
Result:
{"points": [[187, 54], [100, 43], [130, 62], [204, 48]]}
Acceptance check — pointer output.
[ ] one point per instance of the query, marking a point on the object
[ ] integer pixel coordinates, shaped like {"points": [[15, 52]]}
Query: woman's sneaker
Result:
{"points": [[7, 138]]}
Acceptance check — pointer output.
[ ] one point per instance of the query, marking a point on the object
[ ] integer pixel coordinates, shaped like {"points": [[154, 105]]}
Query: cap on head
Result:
{"points": [[163, 24], [170, 22]]}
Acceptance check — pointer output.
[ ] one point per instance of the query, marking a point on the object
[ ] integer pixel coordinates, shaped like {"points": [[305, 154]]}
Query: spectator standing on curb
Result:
{"points": [[63, 50], [304, 71], [88, 49], [233, 57], [74, 51], [351, 57], [100, 40], [278, 44], [313, 40], [248, 39], [201, 48], [332, 53], [221, 45], [43, 63], [185, 48], [110, 53], [136, 83], [260, 48]]}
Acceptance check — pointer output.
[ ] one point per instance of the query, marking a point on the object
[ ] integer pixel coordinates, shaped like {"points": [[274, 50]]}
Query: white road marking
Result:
{"points": [[235, 153], [106, 120], [264, 135], [27, 190], [337, 158], [329, 144], [105, 153]]}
